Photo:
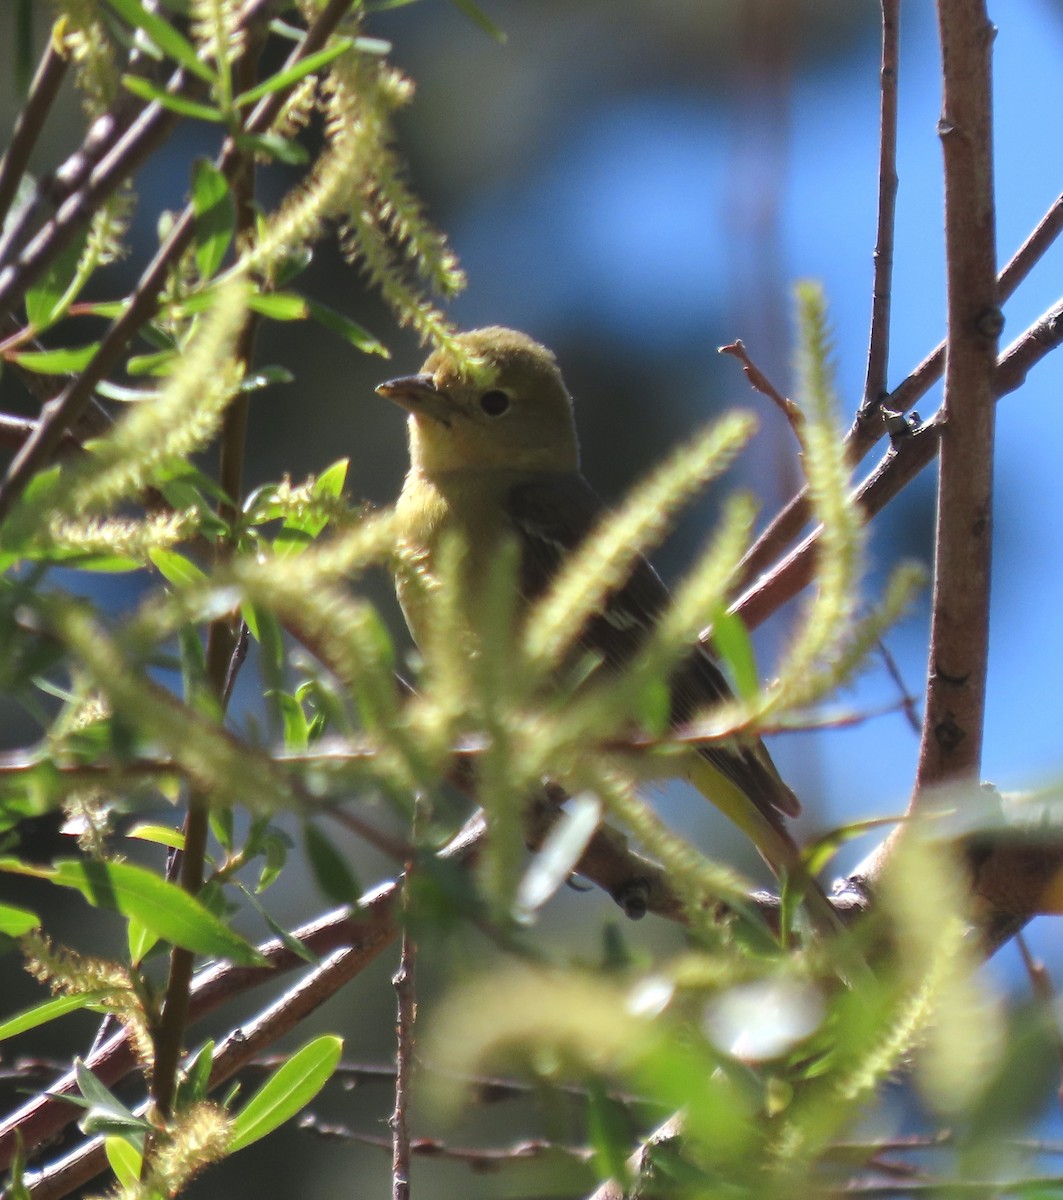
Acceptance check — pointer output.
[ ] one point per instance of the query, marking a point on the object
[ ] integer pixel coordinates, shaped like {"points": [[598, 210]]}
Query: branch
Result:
{"points": [[882, 285], [953, 718], [868, 428], [910, 453], [43, 90]]}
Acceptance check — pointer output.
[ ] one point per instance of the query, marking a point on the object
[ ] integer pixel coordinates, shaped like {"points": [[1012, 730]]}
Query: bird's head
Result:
{"points": [[497, 402]]}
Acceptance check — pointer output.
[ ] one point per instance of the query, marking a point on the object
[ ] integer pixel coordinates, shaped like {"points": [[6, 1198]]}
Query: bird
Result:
{"points": [[494, 455]]}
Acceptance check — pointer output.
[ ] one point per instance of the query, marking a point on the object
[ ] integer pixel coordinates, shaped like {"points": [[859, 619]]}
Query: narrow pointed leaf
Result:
{"points": [[67, 361], [125, 1160], [163, 908], [289, 1089], [164, 35], [178, 104], [215, 216], [16, 921], [280, 306], [50, 1010], [479, 18], [305, 66], [331, 870], [733, 647], [348, 329]]}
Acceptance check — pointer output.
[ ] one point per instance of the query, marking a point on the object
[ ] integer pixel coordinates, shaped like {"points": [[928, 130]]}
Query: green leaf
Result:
{"points": [[50, 1010], [222, 826], [332, 479], [298, 531], [139, 86], [350, 330], [734, 649], [97, 1123], [293, 264], [275, 855], [14, 922], [165, 909], [160, 835], [113, 564], [44, 295], [175, 568], [373, 45], [98, 1096], [290, 943], [140, 940], [215, 216], [279, 306], [68, 361], [185, 487], [124, 395], [266, 630], [265, 376], [195, 1077], [305, 66], [293, 719], [163, 34], [609, 1133], [111, 309], [480, 18], [125, 1161], [152, 364], [331, 871], [817, 855], [273, 146], [289, 1089]]}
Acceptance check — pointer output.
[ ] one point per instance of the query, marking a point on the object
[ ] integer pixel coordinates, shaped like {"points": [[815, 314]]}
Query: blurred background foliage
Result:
{"points": [[636, 183]]}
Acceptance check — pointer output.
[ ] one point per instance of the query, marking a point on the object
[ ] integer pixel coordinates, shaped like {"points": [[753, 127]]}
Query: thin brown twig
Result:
{"points": [[882, 283], [479, 1159], [47, 80], [16, 431], [57, 186], [907, 700], [404, 984], [761, 383]]}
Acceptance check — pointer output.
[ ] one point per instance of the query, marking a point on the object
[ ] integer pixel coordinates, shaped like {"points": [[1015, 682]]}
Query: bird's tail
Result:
{"points": [[763, 824]]}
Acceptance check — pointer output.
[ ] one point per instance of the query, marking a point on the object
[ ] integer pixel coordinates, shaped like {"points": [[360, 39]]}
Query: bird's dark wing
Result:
{"points": [[552, 515]]}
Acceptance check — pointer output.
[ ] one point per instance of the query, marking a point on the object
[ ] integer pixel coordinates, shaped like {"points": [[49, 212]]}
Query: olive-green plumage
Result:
{"points": [[494, 455]]}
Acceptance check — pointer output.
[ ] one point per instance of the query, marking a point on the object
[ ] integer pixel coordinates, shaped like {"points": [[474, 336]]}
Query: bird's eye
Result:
{"points": [[495, 402]]}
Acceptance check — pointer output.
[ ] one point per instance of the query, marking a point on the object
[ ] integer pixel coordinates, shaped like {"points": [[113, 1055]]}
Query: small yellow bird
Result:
{"points": [[494, 455]]}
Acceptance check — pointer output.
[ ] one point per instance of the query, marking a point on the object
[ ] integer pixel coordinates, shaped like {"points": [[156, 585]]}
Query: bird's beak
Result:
{"points": [[419, 396]]}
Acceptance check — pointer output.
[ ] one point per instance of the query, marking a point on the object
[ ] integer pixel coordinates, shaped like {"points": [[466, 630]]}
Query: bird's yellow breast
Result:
{"points": [[469, 506]]}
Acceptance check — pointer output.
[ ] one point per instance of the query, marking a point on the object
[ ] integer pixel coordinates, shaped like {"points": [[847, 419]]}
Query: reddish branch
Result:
{"points": [[901, 463]]}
